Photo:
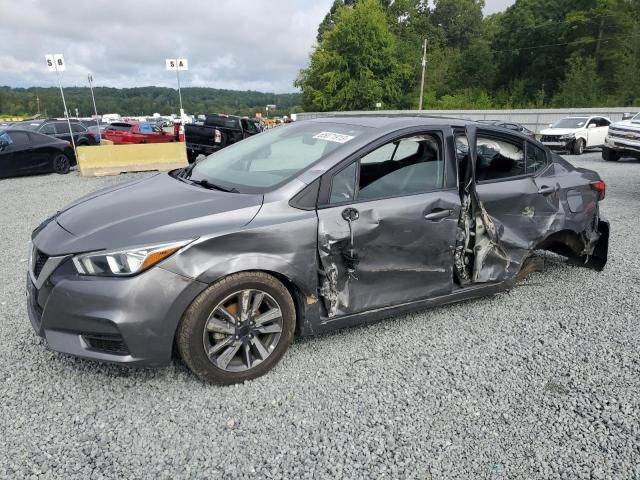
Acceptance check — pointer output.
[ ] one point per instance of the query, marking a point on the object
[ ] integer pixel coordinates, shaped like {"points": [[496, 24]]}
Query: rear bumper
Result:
{"points": [[120, 320]]}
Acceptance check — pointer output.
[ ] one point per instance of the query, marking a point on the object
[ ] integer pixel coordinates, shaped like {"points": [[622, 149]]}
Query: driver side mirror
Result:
{"points": [[550, 125], [591, 125], [3, 144]]}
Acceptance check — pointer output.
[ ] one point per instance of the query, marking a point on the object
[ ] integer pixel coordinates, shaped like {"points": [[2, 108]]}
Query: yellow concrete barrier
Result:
{"points": [[100, 160]]}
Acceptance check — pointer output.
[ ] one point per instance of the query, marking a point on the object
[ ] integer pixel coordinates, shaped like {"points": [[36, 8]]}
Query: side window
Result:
{"points": [[62, 128], [402, 167], [499, 158], [48, 129], [4, 136], [77, 128], [20, 138], [145, 128], [604, 122], [536, 158], [343, 184], [593, 121]]}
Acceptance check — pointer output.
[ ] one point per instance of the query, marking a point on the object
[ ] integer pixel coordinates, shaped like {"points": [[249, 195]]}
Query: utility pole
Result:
{"points": [[424, 67]]}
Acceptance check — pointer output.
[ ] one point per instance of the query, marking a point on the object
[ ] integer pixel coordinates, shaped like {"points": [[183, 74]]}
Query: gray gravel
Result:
{"points": [[539, 382]]}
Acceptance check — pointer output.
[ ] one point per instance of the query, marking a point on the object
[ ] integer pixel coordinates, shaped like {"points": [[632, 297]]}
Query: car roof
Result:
{"points": [[395, 121]]}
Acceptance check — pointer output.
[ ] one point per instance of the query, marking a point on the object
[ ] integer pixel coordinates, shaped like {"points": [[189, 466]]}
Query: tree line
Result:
{"points": [[537, 53], [143, 101]]}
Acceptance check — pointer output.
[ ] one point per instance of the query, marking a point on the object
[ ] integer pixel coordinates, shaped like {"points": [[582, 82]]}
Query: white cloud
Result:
{"points": [[239, 44]]}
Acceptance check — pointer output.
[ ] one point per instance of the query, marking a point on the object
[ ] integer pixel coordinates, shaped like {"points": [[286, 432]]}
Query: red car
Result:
{"points": [[136, 132]]}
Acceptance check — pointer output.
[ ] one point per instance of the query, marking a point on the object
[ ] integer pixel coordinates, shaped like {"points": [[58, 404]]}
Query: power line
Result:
{"points": [[575, 42]]}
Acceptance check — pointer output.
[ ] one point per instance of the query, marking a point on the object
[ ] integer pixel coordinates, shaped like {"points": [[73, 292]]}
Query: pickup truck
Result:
{"points": [[216, 132], [623, 139]]}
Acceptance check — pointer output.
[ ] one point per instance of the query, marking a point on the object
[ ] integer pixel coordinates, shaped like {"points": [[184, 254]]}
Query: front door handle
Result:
{"points": [[436, 215], [350, 214], [546, 190]]}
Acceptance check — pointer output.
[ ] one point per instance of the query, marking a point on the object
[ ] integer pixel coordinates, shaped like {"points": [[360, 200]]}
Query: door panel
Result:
{"points": [[397, 255]]}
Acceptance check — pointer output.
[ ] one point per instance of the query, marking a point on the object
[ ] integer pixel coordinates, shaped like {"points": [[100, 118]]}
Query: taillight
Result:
{"points": [[601, 187], [217, 136]]}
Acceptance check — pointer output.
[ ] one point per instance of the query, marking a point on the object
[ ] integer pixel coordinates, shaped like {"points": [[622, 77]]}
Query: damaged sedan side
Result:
{"points": [[307, 228]]}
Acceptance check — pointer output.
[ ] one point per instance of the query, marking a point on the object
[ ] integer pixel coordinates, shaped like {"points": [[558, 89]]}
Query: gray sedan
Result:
{"points": [[310, 227]]}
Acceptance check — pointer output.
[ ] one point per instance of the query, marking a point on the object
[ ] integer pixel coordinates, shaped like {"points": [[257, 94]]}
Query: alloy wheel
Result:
{"points": [[243, 330]]}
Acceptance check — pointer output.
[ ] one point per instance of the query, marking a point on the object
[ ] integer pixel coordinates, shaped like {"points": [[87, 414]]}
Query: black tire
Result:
{"points": [[578, 147], [60, 163], [609, 155], [192, 331]]}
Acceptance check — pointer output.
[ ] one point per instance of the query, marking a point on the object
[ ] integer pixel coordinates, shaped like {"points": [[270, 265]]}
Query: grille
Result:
{"points": [[107, 343], [550, 138], [622, 133], [39, 259]]}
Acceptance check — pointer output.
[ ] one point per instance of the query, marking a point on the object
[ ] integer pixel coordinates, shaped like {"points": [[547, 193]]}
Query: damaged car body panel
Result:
{"points": [[513, 197]]}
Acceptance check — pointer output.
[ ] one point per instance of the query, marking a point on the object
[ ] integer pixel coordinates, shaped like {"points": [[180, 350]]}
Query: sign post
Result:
{"points": [[55, 63], [178, 64]]}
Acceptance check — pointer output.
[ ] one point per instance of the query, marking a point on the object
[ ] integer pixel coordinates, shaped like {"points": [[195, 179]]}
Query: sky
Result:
{"points": [[235, 44]]}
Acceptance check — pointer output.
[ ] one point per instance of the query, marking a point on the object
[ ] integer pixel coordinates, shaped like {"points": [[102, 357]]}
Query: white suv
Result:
{"points": [[575, 134]]}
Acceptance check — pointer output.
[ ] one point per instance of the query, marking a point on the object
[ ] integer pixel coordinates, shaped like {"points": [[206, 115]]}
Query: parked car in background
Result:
{"points": [[510, 126], [623, 139], [312, 227], [59, 128], [23, 152], [136, 132], [216, 132], [575, 134]]}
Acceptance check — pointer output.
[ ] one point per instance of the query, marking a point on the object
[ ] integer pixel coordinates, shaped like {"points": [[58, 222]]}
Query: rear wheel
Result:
{"points": [[578, 146], [60, 163], [237, 329], [610, 155]]}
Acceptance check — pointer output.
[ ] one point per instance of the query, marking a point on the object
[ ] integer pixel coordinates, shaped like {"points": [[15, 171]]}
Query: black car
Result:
{"points": [[60, 129], [24, 152], [509, 125]]}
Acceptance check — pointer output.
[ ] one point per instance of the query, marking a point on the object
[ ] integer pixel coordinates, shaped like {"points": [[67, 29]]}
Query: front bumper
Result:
{"points": [[622, 144], [122, 320], [559, 146]]}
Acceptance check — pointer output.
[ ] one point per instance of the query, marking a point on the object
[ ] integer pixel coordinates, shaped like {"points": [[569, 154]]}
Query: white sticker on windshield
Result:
{"points": [[333, 137]]}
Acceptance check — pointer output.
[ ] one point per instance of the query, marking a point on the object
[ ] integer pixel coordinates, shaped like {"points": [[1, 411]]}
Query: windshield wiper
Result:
{"points": [[211, 186]]}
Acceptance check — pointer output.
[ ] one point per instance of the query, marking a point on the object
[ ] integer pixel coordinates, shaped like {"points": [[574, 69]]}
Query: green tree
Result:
{"points": [[355, 65], [581, 86]]}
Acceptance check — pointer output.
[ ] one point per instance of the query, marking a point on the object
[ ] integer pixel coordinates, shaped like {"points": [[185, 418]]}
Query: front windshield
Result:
{"points": [[571, 122], [269, 159]]}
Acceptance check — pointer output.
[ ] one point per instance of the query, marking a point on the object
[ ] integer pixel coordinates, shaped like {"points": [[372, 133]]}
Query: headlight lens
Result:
{"points": [[569, 136], [125, 262]]}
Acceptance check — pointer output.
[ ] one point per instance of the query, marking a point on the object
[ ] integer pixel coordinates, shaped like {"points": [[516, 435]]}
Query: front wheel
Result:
{"points": [[578, 146], [60, 163], [237, 329]]}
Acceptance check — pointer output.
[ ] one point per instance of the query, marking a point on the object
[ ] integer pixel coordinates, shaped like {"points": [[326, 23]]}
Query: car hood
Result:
{"points": [[153, 210], [559, 131], [628, 125]]}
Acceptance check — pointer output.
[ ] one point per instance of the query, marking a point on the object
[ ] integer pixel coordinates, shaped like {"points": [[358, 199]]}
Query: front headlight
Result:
{"points": [[569, 136], [125, 262]]}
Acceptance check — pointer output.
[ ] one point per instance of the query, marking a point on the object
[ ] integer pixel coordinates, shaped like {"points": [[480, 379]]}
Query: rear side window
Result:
{"points": [[498, 158], [20, 138], [77, 128], [536, 158]]}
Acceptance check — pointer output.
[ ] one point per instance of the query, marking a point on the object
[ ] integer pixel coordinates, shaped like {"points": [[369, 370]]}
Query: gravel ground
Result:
{"points": [[539, 382]]}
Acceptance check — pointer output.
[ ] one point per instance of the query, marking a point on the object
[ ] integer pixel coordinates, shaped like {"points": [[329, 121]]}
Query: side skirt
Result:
{"points": [[370, 316]]}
